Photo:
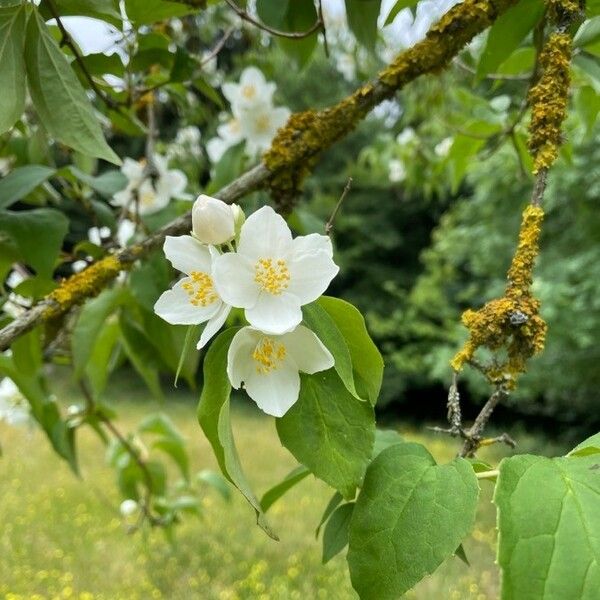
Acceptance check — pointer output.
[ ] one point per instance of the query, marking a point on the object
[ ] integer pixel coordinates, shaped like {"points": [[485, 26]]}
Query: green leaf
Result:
{"points": [[507, 33], [410, 516], [400, 5], [587, 102], [176, 450], [22, 181], [333, 503], [89, 325], [291, 479], [107, 184], [335, 535], [548, 520], [160, 424], [318, 320], [587, 447], [329, 431], [590, 69], [216, 481], [384, 438], [35, 235], [214, 418], [60, 101], [366, 359], [12, 65], [102, 358], [143, 12], [588, 33], [362, 19], [106, 10]]}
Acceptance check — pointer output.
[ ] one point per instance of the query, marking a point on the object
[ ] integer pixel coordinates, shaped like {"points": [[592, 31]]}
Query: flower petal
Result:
{"points": [[174, 307], [274, 392], [233, 275], [275, 314], [307, 350], [310, 275], [239, 356], [265, 234], [309, 244], [213, 325], [187, 254]]}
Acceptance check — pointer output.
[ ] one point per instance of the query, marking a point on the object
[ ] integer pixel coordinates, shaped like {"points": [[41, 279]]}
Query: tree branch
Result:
{"points": [[456, 29]]}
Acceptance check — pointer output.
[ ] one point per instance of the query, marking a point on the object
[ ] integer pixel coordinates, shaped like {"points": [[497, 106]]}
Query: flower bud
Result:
{"points": [[128, 507], [213, 221], [239, 218]]}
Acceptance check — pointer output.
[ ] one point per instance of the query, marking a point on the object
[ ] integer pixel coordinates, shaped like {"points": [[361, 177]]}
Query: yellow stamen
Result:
{"points": [[267, 354], [272, 276], [200, 289], [248, 91]]}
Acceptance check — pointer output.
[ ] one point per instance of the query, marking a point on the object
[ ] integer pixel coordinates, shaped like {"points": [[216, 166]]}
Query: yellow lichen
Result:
{"points": [[512, 322], [297, 145], [85, 284], [548, 99]]}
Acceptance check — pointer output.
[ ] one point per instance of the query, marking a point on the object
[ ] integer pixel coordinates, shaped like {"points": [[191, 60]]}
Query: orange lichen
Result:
{"points": [[296, 147], [548, 99], [512, 322]]}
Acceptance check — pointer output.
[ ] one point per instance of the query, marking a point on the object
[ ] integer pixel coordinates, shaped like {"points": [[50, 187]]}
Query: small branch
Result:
{"points": [[493, 76], [329, 224], [294, 35], [67, 40], [539, 187], [323, 29], [218, 47], [453, 404]]}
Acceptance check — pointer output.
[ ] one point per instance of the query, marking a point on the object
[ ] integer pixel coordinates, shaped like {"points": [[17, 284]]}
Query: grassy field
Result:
{"points": [[61, 537]]}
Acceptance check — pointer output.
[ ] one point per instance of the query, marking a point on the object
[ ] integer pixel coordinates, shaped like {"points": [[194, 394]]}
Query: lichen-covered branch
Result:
{"points": [[294, 152]]}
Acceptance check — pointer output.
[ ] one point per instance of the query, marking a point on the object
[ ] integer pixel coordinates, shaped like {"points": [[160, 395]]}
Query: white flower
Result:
{"points": [[193, 299], [406, 136], [125, 231], [229, 134], [97, 234], [397, 172], [253, 90], [271, 275], [150, 193], [6, 164], [78, 265], [260, 125], [346, 64], [443, 148], [268, 365], [14, 408], [213, 221], [187, 142], [128, 507]]}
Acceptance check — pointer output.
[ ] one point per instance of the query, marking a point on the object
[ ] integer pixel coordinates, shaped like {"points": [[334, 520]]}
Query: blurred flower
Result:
{"points": [[78, 265], [251, 92], [193, 299], [128, 507], [406, 136], [260, 126], [149, 192], [213, 221], [14, 408], [186, 143], [97, 234], [272, 275], [229, 134], [443, 148], [346, 64], [15, 305], [125, 231], [267, 365], [397, 171]]}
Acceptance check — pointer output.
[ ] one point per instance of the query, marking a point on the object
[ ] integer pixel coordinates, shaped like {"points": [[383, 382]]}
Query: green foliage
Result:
{"points": [[21, 182], [277, 491], [335, 534], [549, 548], [329, 431], [362, 19], [410, 516]]}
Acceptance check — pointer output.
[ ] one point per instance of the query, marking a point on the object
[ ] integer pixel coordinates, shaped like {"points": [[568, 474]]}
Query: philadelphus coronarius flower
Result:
{"points": [[149, 193], [271, 275], [268, 365], [14, 408], [255, 265]]}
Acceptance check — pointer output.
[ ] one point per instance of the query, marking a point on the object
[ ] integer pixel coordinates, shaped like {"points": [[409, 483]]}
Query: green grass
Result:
{"points": [[62, 537]]}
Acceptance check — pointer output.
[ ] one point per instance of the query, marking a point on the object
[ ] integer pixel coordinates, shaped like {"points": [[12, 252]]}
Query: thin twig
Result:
{"points": [[494, 76], [539, 187], [329, 224], [294, 35], [67, 40], [218, 47], [323, 29]]}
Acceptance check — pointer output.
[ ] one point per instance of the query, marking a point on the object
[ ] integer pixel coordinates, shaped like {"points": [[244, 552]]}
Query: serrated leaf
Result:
{"points": [[12, 65], [214, 418], [507, 33], [335, 534], [548, 520], [362, 18], [37, 236], [61, 103], [277, 491], [329, 431], [410, 516], [317, 319], [20, 182], [367, 362]]}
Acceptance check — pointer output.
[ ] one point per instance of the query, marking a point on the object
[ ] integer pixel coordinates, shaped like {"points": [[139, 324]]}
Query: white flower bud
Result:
{"points": [[213, 221], [239, 218], [128, 507]]}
